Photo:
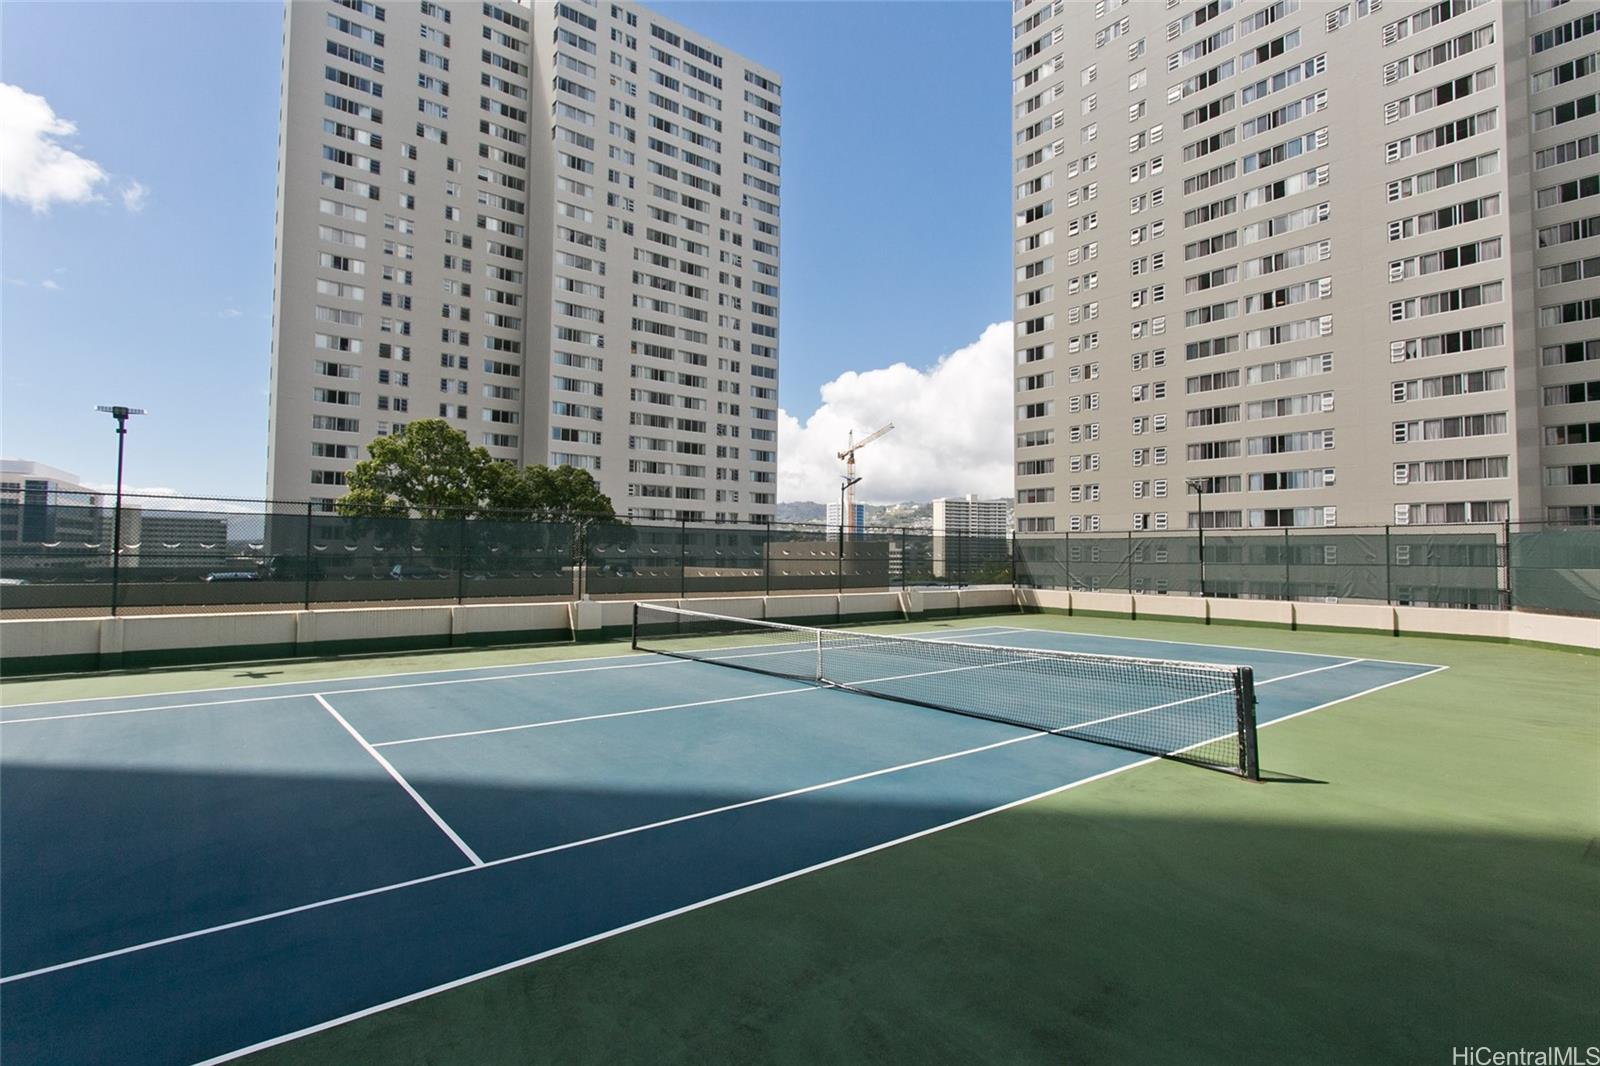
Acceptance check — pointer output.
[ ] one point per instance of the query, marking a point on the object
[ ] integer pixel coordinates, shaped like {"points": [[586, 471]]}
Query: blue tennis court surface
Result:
{"points": [[191, 875]]}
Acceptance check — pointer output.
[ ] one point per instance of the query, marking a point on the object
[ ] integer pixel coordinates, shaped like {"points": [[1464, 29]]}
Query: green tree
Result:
{"points": [[549, 493], [433, 471], [430, 470]]}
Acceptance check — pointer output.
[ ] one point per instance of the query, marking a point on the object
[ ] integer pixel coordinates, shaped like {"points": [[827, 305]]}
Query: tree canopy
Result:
{"points": [[432, 471]]}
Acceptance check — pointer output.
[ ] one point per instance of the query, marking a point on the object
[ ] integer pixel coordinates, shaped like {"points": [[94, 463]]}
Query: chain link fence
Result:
{"points": [[1534, 566], [182, 554]]}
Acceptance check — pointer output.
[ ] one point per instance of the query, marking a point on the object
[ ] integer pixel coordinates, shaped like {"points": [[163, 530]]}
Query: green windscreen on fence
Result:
{"points": [[57, 558], [1440, 568], [1556, 569]]}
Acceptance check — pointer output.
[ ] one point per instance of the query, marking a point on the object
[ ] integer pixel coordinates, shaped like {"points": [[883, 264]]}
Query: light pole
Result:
{"points": [[1198, 487], [845, 482], [121, 414]]}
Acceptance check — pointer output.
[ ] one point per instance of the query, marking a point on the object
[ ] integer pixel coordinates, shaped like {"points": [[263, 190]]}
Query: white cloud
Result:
{"points": [[952, 430], [130, 490], [34, 168], [51, 284], [230, 312], [165, 498], [135, 196]]}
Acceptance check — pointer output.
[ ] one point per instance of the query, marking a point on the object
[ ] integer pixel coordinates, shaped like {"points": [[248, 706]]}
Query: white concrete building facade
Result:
{"points": [[554, 226], [1337, 264]]}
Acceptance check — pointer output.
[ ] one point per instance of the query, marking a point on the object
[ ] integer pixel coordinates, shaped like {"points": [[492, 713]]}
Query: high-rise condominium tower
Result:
{"points": [[554, 226], [1337, 264]]}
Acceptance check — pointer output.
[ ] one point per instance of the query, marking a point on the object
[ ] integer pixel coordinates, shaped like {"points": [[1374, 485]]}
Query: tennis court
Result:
{"points": [[197, 874]]}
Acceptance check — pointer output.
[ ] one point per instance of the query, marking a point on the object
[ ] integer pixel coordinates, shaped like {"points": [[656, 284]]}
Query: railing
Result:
{"points": [[233, 554], [222, 554], [1531, 565]]}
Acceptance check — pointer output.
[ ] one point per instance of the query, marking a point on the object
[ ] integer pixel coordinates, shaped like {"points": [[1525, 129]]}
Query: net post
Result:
{"points": [[1245, 707], [819, 657], [635, 625]]}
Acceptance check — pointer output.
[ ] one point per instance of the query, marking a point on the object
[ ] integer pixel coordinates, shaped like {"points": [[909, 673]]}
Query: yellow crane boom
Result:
{"points": [[849, 457]]}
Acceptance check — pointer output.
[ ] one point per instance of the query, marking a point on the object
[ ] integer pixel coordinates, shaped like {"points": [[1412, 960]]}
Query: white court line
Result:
{"points": [[734, 894], [654, 661], [568, 846], [1312, 670], [1204, 644], [400, 780], [652, 920], [804, 687], [311, 683], [335, 692], [1353, 695], [286, 912], [590, 717]]}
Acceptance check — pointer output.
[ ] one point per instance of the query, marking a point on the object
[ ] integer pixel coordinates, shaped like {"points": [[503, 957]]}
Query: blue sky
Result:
{"points": [[895, 242]]}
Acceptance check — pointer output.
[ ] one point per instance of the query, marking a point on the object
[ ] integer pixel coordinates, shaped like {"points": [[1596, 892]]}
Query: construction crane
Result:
{"points": [[848, 504]]}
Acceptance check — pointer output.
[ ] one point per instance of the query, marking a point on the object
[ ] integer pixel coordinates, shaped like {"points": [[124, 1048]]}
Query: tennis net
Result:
{"points": [[1195, 712]]}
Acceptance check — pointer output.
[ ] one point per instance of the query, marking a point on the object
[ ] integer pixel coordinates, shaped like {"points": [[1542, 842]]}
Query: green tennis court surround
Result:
{"points": [[231, 866]]}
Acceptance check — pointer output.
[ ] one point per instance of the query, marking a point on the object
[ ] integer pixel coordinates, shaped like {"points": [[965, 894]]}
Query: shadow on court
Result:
{"points": [[1063, 929], [1278, 777]]}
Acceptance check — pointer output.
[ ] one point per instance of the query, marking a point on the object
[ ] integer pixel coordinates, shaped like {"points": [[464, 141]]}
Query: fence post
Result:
{"points": [[461, 557], [116, 551], [1130, 561], [683, 558], [840, 582], [1066, 560], [305, 560], [1286, 564], [580, 553], [766, 559], [1508, 563], [1388, 569], [905, 557], [1014, 567]]}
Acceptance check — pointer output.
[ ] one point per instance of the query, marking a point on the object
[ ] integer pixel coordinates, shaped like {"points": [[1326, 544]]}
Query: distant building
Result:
{"points": [[48, 518], [46, 515], [969, 535], [971, 516], [857, 525], [173, 538]]}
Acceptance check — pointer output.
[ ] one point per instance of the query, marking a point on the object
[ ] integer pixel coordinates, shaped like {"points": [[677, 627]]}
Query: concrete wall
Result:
{"points": [[42, 645], [1518, 626]]}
